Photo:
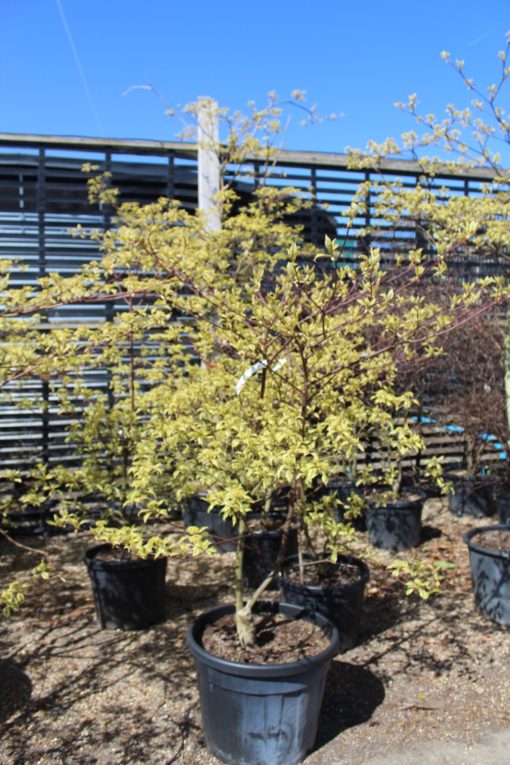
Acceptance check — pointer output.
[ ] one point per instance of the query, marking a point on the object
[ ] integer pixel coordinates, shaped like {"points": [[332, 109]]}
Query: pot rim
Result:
{"points": [[266, 532], [89, 559], [484, 549], [414, 502], [261, 671], [364, 574]]}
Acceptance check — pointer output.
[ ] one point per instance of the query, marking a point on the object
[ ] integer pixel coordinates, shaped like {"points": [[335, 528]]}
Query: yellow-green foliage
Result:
{"points": [[140, 544], [422, 577], [13, 596], [285, 369]]}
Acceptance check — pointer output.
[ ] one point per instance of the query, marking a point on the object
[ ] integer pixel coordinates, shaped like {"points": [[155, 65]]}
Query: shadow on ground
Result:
{"points": [[352, 694], [16, 689], [99, 700], [429, 532], [379, 614]]}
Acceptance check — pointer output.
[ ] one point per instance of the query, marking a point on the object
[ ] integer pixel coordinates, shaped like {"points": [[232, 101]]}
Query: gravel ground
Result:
{"points": [[73, 694]]}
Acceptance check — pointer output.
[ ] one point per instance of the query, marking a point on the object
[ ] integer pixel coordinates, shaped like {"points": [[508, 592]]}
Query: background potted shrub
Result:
{"points": [[393, 508], [464, 385], [472, 136], [128, 354], [334, 589]]}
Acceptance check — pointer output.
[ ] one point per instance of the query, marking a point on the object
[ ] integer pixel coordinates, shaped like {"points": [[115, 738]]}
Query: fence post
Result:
{"points": [[209, 162]]}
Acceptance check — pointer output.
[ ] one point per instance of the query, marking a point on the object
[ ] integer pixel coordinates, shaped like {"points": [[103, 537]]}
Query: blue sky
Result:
{"points": [[66, 64]]}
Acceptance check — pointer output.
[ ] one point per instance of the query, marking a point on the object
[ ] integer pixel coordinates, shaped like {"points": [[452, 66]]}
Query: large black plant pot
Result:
{"points": [[490, 573], [258, 714], [261, 549], [472, 497], [396, 525], [128, 595], [340, 603], [222, 532]]}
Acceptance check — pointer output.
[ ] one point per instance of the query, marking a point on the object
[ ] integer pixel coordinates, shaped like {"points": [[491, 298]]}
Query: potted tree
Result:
{"points": [[291, 386], [297, 356], [127, 569]]}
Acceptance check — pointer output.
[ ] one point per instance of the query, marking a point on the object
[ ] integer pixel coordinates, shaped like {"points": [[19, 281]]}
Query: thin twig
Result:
{"points": [[22, 546]]}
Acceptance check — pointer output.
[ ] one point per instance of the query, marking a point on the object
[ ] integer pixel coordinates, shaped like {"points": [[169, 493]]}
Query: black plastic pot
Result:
{"points": [[340, 603], [175, 513], [503, 506], [341, 490], [344, 491], [129, 595], [396, 525], [472, 498], [261, 550], [490, 574], [223, 533], [260, 714]]}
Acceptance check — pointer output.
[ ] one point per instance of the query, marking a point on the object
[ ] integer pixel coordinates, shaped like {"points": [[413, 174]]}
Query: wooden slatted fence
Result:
{"points": [[43, 194]]}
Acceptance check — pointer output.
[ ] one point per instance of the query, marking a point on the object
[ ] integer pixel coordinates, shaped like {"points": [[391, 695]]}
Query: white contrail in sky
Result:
{"points": [[482, 37], [79, 67]]}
